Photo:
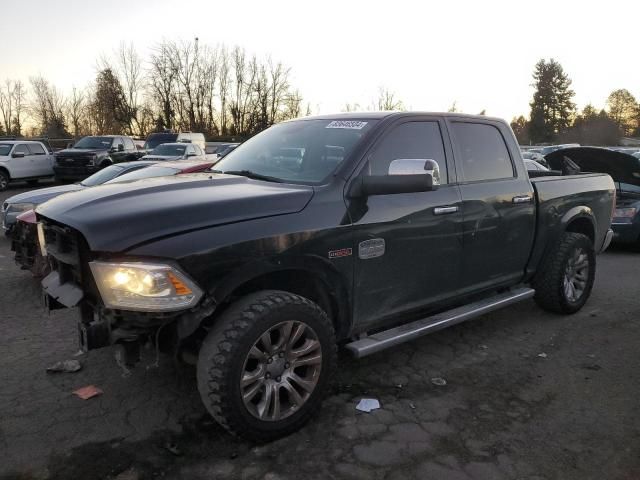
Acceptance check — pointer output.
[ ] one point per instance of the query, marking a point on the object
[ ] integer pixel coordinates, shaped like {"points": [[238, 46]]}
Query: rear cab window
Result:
{"points": [[481, 152]]}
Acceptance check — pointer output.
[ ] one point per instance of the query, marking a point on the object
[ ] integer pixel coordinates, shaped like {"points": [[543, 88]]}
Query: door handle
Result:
{"points": [[445, 210], [521, 199]]}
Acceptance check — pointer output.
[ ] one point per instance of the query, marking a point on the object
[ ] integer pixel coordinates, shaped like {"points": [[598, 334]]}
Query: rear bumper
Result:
{"points": [[607, 240]]}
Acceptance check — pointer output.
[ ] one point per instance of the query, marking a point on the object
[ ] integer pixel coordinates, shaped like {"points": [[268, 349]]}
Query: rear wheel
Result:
{"points": [[565, 280], [265, 366], [4, 180]]}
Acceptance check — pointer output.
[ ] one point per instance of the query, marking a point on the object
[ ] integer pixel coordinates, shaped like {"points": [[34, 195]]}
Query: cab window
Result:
{"points": [[481, 152], [411, 140]]}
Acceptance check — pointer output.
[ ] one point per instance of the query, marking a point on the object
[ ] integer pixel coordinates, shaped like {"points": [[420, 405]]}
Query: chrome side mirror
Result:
{"points": [[416, 166]]}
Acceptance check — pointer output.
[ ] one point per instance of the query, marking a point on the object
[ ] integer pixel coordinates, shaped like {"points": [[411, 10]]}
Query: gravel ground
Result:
{"points": [[528, 395]]}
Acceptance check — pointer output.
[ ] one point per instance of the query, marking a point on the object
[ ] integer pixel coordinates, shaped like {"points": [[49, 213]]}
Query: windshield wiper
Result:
{"points": [[250, 174]]}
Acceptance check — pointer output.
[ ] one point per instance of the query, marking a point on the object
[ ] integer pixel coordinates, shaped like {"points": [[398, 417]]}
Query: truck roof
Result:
{"points": [[381, 115], [20, 141]]}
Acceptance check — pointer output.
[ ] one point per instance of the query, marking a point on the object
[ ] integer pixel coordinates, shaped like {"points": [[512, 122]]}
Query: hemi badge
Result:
{"points": [[343, 252]]}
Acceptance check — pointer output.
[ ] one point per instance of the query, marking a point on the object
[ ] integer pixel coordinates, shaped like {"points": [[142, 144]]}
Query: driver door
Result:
{"points": [[22, 166], [407, 246]]}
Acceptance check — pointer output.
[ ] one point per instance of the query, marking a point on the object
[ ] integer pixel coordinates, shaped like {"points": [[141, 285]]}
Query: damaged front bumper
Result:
{"points": [[100, 327]]}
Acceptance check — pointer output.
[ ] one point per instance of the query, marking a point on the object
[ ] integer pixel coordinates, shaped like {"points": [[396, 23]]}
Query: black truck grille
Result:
{"points": [[73, 161]]}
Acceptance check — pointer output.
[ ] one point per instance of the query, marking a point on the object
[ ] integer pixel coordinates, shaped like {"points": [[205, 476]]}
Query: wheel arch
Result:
{"points": [[311, 279], [581, 220]]}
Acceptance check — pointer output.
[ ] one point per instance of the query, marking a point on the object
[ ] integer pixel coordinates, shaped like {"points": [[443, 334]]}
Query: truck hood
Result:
{"points": [[72, 152], [43, 194], [622, 167], [116, 217]]}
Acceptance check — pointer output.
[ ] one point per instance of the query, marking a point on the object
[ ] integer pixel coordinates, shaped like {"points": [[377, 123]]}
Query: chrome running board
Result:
{"points": [[403, 333]]}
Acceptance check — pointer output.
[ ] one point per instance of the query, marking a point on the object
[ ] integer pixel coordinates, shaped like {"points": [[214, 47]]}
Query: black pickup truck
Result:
{"points": [[385, 227], [93, 153]]}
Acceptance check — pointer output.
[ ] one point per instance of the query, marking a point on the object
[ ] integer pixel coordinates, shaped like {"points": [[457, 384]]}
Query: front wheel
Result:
{"points": [[564, 283], [266, 364]]}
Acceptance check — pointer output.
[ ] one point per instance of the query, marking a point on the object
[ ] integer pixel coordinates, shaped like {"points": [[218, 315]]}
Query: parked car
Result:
{"points": [[25, 239], [383, 233], [533, 166], [175, 151], [93, 153], [15, 205], [24, 160], [535, 156], [226, 150], [155, 139], [625, 171]]}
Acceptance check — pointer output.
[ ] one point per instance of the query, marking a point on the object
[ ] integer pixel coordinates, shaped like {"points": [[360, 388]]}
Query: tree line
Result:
{"points": [[182, 85], [222, 91], [553, 117]]}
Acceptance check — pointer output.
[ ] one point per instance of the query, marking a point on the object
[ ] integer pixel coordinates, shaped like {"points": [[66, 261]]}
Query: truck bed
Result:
{"points": [[562, 197]]}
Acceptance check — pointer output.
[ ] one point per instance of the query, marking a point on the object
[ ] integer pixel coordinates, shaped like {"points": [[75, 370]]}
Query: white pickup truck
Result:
{"points": [[24, 160]]}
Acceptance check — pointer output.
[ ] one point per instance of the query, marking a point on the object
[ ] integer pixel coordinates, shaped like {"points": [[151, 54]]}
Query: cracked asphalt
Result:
{"points": [[528, 395]]}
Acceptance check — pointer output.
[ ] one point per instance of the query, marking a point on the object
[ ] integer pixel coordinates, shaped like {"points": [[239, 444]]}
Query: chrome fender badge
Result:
{"points": [[371, 248]]}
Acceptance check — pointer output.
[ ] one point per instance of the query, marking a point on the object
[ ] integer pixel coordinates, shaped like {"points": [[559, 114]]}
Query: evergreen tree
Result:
{"points": [[552, 108]]}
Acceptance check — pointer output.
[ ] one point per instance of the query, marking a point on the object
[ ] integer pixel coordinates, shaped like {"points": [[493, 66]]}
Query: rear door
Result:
{"points": [[407, 246], [498, 205]]}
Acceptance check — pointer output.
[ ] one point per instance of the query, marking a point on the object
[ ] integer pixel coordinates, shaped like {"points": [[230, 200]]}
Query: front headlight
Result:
{"points": [[625, 212], [20, 207], [144, 287]]}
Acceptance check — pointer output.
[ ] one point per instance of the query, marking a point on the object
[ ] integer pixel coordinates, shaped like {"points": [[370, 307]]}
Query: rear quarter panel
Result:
{"points": [[562, 199]]}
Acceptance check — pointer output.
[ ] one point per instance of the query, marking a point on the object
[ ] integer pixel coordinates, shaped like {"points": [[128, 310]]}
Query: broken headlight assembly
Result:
{"points": [[144, 287]]}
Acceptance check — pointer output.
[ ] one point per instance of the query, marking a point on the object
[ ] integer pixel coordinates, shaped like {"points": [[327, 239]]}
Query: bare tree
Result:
{"points": [[387, 100], [162, 78], [47, 108], [76, 107], [224, 83], [6, 104]]}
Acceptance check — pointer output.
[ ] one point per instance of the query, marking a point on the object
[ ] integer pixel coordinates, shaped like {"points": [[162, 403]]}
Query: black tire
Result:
{"points": [[224, 355], [549, 283], [4, 180]]}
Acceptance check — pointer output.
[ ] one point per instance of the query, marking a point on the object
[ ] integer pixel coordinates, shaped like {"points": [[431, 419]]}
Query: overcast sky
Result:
{"points": [[432, 53]]}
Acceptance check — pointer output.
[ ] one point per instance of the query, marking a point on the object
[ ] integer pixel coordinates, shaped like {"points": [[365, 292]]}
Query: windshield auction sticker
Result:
{"points": [[350, 124]]}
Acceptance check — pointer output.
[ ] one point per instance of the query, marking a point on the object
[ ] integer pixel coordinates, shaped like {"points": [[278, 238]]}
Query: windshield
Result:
{"points": [[156, 139], [149, 172], [94, 143], [102, 176], [5, 148], [169, 150], [304, 151]]}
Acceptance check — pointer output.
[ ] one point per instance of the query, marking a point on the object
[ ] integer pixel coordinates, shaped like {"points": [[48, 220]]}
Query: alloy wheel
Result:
{"points": [[576, 275], [281, 371]]}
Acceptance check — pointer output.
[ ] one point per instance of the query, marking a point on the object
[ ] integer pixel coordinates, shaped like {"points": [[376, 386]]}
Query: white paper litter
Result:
{"points": [[367, 405]]}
